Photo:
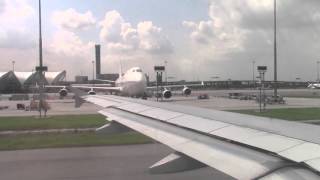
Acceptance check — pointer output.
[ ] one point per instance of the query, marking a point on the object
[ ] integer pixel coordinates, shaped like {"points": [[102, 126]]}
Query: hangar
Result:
{"points": [[13, 82]]}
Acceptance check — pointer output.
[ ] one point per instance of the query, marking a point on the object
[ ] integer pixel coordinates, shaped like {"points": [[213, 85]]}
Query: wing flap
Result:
{"points": [[160, 114], [256, 138], [197, 123], [175, 162], [314, 163], [134, 107]]}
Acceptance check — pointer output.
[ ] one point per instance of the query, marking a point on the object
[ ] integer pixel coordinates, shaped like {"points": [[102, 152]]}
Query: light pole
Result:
{"points": [[262, 70], [318, 62], [92, 71], [41, 70], [159, 70], [275, 50], [165, 66], [13, 65], [253, 76]]}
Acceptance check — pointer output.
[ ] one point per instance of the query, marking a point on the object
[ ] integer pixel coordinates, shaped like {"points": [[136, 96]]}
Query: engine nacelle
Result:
{"points": [[63, 92], [186, 91], [166, 94], [92, 92]]}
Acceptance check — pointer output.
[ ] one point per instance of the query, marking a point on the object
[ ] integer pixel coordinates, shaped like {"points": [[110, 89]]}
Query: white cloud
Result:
{"points": [[69, 44], [73, 20], [119, 35], [15, 11], [151, 38], [237, 32], [112, 26], [2, 6], [14, 24], [230, 23], [66, 41], [216, 34], [259, 5]]}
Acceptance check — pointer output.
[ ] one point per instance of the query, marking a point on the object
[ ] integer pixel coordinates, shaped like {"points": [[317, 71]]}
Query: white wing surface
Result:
{"points": [[242, 146], [105, 88], [176, 86]]}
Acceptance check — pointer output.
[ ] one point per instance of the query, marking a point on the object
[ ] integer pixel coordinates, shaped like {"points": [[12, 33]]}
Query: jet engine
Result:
{"points": [[166, 94], [92, 92], [63, 92], [186, 91]]}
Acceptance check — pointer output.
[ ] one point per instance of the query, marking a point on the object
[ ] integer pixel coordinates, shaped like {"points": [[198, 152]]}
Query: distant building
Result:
{"points": [[11, 82], [111, 77], [81, 79], [98, 59]]}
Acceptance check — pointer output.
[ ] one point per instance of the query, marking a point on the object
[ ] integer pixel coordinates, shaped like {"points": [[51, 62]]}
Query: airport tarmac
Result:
{"points": [[115, 162], [222, 103], [94, 163], [305, 92], [295, 98]]}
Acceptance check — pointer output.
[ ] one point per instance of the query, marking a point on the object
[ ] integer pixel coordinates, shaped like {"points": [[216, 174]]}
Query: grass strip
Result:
{"points": [[53, 122], [70, 140], [291, 114]]}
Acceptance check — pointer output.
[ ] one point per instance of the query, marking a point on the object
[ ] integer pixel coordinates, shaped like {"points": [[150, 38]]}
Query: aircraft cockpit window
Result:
{"points": [[139, 70]]}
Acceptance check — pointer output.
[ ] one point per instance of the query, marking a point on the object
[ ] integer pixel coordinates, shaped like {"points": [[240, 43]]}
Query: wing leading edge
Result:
{"points": [[222, 140]]}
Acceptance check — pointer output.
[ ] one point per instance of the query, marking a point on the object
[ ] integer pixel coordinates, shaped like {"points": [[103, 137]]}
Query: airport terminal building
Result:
{"points": [[15, 82]]}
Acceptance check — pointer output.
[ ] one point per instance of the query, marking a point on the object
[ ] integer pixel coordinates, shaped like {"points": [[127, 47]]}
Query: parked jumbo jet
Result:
{"points": [[132, 83], [242, 146]]}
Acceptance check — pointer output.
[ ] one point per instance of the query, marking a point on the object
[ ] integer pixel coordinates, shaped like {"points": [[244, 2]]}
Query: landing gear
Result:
{"points": [[144, 96]]}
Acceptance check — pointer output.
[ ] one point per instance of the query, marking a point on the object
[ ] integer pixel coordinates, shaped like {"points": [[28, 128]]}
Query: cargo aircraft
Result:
{"points": [[132, 83]]}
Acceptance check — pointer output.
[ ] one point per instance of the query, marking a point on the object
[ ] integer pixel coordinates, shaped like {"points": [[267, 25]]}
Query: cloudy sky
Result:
{"points": [[198, 39]]}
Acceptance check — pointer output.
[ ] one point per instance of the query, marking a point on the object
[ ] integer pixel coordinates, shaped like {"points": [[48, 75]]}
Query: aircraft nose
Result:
{"points": [[140, 77]]}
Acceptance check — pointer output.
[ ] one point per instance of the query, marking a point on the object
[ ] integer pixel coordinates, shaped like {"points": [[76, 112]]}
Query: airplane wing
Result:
{"points": [[176, 86], [104, 80], [93, 85], [242, 146], [49, 86], [105, 88]]}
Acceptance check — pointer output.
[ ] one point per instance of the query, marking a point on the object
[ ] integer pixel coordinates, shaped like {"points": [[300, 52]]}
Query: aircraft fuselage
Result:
{"points": [[132, 83]]}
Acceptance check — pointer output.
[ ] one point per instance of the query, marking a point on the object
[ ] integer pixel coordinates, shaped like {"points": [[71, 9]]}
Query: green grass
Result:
{"points": [[70, 140], [292, 114], [54, 122]]}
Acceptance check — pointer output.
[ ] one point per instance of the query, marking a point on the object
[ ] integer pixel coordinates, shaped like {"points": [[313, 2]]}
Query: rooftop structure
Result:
{"points": [[13, 81]]}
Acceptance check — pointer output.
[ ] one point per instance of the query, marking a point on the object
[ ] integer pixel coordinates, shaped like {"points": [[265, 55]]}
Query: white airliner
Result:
{"points": [[132, 83]]}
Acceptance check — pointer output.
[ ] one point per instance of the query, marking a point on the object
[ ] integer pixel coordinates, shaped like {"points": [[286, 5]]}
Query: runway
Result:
{"points": [[295, 98], [94, 163]]}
